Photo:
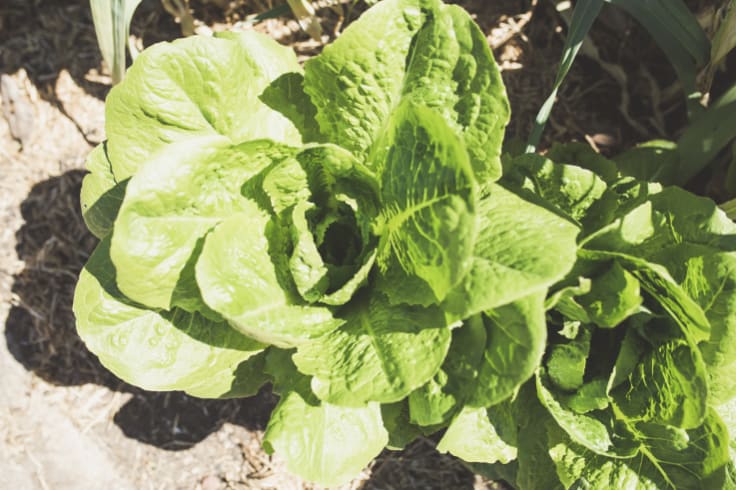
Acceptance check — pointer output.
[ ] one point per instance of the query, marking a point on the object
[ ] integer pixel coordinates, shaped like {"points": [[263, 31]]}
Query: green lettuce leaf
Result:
{"points": [[193, 88], [101, 193], [239, 279], [381, 353], [321, 442], [479, 435], [428, 194], [614, 296], [594, 431], [159, 227], [516, 336], [400, 429], [438, 400], [507, 262], [419, 50], [569, 188], [566, 361], [160, 350]]}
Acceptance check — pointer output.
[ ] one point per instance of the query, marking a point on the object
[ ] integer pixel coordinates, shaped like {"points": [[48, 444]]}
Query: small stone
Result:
{"points": [[211, 482], [17, 111]]}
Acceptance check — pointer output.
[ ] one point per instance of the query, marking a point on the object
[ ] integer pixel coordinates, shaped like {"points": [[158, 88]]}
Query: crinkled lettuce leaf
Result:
{"points": [[160, 350], [382, 352], [192, 88], [171, 203], [417, 50], [428, 193], [320, 441]]}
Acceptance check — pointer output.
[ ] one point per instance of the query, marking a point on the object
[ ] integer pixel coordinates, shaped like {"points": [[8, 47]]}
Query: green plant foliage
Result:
{"points": [[673, 27], [112, 25], [345, 233], [636, 358]]}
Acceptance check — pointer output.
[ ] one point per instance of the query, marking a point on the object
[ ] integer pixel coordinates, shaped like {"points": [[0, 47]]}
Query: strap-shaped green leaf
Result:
{"points": [[112, 25], [585, 12], [677, 32]]}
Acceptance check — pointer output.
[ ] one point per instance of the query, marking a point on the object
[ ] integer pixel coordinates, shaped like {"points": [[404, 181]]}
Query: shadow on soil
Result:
{"points": [[40, 333], [45, 37]]}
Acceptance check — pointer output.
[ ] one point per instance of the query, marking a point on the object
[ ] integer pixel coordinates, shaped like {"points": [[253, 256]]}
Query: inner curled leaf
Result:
{"points": [[327, 201]]}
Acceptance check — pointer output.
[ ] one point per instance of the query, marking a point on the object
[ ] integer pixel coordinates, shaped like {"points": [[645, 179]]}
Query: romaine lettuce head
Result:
{"points": [[338, 231]]}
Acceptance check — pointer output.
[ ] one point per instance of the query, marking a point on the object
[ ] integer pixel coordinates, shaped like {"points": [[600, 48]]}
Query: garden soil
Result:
{"points": [[66, 422]]}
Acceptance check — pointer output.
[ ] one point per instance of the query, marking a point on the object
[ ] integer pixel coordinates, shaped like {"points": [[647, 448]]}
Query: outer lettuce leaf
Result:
{"points": [[438, 400], [382, 352], [170, 205], [428, 195], [400, 429], [321, 442], [516, 337], [101, 194], [159, 350], [507, 262], [479, 435], [194, 87], [240, 280], [420, 50], [569, 188]]}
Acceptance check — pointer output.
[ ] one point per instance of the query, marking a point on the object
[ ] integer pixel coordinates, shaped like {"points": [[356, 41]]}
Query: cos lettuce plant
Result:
{"points": [[341, 232], [635, 389], [337, 232]]}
